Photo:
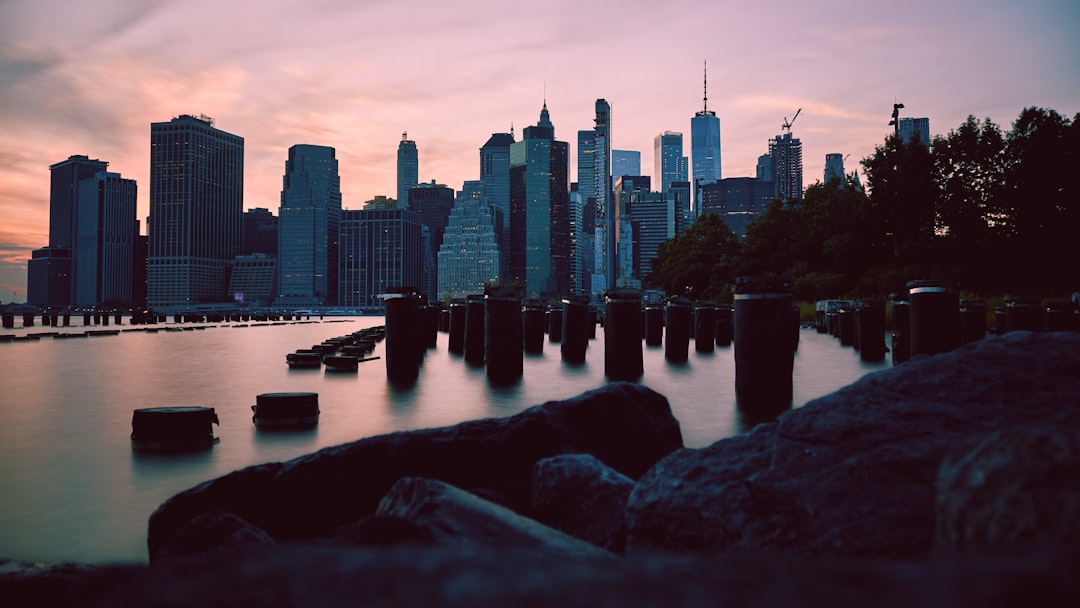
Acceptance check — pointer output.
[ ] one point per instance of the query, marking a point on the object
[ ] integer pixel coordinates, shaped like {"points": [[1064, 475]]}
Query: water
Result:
{"points": [[71, 488]]}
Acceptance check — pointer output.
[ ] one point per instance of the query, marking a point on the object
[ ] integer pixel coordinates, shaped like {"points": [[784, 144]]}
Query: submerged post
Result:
{"points": [[503, 334], [679, 327], [622, 335], [403, 338], [935, 316], [764, 357]]}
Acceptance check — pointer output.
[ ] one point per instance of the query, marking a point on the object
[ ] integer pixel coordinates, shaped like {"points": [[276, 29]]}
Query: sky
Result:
{"points": [[89, 76]]}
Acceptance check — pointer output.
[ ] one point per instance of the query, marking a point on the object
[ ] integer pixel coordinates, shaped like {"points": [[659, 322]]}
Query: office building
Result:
{"points": [[787, 165], [253, 281], [705, 145], [668, 160], [469, 256], [408, 169], [678, 196], [539, 211], [738, 200], [379, 249], [593, 193], [495, 173], [624, 162], [196, 211], [49, 269], [432, 202], [834, 168], [629, 190], [308, 227], [260, 232], [912, 129], [105, 231]]}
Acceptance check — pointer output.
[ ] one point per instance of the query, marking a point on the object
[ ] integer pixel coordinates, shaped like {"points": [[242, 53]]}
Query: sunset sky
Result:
{"points": [[88, 77]]}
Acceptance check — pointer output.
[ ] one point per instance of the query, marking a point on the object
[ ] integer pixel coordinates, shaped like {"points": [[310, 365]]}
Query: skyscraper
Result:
{"points": [[624, 162], [105, 231], [49, 270], [603, 232], [912, 128], [380, 249], [260, 232], [196, 209], [539, 211], [786, 153], [432, 202], [408, 169], [593, 192], [668, 160], [834, 168], [495, 173], [705, 146], [469, 256], [308, 224]]}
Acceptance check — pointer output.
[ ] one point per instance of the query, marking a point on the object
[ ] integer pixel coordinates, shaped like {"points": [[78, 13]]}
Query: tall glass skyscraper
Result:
{"points": [[603, 234], [49, 270], [912, 128], [834, 168], [408, 169], [539, 211], [668, 160], [196, 211], [624, 162], [103, 256], [495, 174], [308, 227], [705, 147]]}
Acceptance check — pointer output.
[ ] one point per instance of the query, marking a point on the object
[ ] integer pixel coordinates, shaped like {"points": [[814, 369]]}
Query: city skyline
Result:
{"points": [[451, 76]]}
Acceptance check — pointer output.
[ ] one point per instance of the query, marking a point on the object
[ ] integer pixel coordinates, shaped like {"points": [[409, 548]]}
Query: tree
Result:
{"points": [[698, 264], [902, 198]]}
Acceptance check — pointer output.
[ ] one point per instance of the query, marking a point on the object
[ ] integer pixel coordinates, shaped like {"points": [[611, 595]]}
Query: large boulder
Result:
{"points": [[854, 473], [582, 496], [627, 426], [456, 517], [459, 577], [1015, 490]]}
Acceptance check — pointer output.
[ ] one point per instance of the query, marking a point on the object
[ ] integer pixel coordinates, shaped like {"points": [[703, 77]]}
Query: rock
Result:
{"points": [[583, 497], [456, 517], [411, 576], [1017, 489], [211, 531], [853, 473], [628, 426]]}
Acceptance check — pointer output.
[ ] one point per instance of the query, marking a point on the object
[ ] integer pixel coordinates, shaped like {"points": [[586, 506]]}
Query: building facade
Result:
{"points": [[624, 162], [787, 165], [539, 211], [253, 280], [433, 203], [379, 249], [834, 168], [103, 256], [260, 232], [912, 129], [408, 169], [196, 211], [308, 227], [495, 173], [469, 256], [669, 164]]}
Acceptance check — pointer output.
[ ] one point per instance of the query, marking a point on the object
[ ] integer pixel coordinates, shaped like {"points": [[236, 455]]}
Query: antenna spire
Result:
{"points": [[705, 102]]}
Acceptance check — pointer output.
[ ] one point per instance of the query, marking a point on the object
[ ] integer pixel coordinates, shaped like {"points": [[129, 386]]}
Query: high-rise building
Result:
{"points": [[629, 189], [911, 129], [432, 202], [738, 200], [260, 232], [593, 191], [539, 211], [469, 256], [196, 211], [105, 231], [834, 168], [408, 169], [786, 153], [624, 162], [380, 249], [253, 280], [308, 227], [49, 270], [668, 160], [705, 146], [764, 168], [678, 196], [495, 173]]}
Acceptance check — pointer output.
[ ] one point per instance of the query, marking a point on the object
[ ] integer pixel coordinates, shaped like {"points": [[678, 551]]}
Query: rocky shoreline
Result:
{"points": [[949, 480]]}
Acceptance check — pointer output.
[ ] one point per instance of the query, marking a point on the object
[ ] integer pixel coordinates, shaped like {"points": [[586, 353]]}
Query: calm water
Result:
{"points": [[72, 489]]}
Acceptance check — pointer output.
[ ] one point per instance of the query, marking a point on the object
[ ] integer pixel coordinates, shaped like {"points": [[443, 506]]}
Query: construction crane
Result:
{"points": [[786, 124]]}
